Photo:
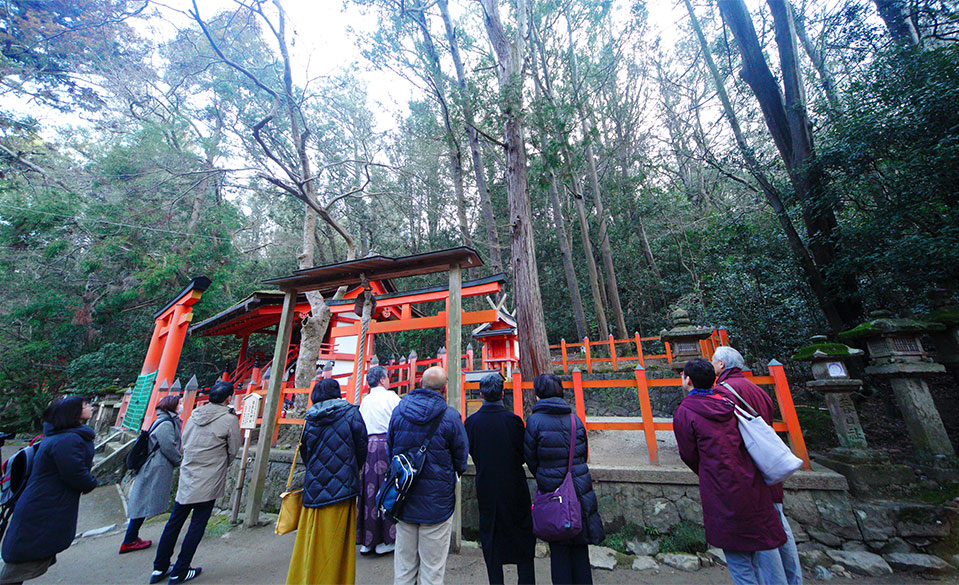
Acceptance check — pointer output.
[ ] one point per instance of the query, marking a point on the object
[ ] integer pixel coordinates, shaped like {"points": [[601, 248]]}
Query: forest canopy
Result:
{"points": [[776, 168]]}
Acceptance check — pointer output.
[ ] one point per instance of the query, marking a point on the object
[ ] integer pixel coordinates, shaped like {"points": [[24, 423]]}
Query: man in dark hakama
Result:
{"points": [[496, 445]]}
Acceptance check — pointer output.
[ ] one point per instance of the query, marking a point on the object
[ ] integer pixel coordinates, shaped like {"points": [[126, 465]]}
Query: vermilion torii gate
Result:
{"points": [[354, 273], [163, 355]]}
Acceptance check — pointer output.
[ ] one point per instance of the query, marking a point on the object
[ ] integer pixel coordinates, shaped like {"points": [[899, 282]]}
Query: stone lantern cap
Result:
{"points": [[894, 345], [883, 324], [829, 365], [683, 329], [820, 349]]}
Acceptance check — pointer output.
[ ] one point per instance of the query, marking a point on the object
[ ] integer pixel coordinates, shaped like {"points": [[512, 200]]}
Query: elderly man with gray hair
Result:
{"points": [[733, 384], [373, 532], [426, 519]]}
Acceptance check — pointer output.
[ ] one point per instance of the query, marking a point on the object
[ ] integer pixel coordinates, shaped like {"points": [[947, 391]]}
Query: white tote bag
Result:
{"points": [[772, 456]]}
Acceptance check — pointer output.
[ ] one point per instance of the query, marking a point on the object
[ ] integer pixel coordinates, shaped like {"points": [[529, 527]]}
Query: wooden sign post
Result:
{"points": [[251, 411]]}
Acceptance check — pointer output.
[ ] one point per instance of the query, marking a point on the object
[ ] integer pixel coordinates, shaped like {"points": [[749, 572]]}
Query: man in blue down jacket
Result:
{"points": [[425, 522]]}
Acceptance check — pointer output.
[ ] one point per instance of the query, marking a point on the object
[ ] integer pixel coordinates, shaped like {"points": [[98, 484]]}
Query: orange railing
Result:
{"points": [[776, 378], [515, 385], [634, 345]]}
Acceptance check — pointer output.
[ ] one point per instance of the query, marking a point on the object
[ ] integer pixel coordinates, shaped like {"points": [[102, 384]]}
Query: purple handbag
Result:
{"points": [[557, 515]]}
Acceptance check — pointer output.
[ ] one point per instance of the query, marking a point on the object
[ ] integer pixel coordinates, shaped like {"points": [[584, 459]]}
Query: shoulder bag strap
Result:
{"points": [[572, 440], [289, 480], [752, 410], [156, 424], [429, 437]]}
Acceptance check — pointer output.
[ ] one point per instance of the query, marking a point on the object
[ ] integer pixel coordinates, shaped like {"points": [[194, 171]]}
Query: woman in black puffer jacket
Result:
{"points": [[546, 448], [334, 450]]}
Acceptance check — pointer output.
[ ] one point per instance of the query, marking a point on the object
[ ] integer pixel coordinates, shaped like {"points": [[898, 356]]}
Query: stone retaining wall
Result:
{"points": [[818, 505]]}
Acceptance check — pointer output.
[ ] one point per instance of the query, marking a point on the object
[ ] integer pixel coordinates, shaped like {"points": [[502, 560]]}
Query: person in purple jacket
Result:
{"points": [[738, 510], [728, 364]]}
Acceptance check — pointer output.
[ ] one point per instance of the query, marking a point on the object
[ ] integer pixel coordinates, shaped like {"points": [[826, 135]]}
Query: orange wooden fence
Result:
{"points": [[634, 344], [776, 378]]}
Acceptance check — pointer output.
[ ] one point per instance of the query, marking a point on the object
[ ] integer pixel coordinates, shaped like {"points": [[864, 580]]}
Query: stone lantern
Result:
{"points": [[896, 353], [865, 469], [684, 339]]}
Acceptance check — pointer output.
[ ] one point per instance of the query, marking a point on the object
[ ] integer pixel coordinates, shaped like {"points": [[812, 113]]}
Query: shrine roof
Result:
{"points": [[487, 330], [494, 332], [244, 316], [376, 268], [261, 310]]}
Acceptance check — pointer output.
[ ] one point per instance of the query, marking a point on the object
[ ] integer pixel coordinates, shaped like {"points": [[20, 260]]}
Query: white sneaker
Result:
{"points": [[365, 550], [382, 549]]}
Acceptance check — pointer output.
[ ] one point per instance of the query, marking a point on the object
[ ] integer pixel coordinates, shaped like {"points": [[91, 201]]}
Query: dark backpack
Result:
{"points": [[401, 476], [13, 479], [140, 452]]}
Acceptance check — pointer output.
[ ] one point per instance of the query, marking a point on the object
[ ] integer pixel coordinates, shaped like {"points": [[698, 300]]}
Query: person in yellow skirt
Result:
{"points": [[333, 448]]}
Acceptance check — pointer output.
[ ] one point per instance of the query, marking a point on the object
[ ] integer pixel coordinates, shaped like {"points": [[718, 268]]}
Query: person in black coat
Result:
{"points": [[44, 520], [496, 445], [546, 447]]}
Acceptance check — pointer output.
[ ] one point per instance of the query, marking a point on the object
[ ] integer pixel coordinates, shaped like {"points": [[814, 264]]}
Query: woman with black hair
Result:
{"points": [[44, 521], [546, 449], [333, 448]]}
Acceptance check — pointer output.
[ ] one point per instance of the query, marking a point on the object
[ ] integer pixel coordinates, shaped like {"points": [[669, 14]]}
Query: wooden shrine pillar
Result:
{"points": [[155, 350], [283, 331], [243, 349], [169, 359], [454, 348]]}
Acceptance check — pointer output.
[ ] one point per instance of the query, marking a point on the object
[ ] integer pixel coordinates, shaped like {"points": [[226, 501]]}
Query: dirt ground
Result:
{"points": [[259, 556]]}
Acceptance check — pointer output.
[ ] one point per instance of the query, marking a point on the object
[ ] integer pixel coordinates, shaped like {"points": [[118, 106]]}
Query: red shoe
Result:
{"points": [[138, 544]]}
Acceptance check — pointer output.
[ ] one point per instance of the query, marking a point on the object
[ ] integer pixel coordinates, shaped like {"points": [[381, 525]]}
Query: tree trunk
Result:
{"points": [[533, 345], [605, 251], [819, 62], [562, 238], [598, 304], [898, 23], [312, 328], [773, 196], [572, 283], [416, 12], [479, 168], [789, 126]]}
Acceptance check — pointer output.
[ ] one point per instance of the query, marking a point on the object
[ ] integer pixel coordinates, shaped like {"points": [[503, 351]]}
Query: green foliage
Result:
{"points": [[685, 537], [618, 539], [893, 158], [110, 368]]}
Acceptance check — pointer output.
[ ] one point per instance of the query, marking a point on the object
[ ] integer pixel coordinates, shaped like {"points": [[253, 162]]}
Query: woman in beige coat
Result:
{"points": [[211, 440]]}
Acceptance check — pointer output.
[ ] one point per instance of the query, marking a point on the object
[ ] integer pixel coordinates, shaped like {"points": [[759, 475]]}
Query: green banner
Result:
{"points": [[139, 400]]}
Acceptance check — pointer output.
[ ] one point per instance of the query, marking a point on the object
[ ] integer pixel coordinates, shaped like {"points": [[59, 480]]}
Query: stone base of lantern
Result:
{"points": [[939, 468], [868, 471]]}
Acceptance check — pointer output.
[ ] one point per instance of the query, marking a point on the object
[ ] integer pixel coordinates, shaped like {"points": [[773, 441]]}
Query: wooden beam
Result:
{"points": [[260, 464], [416, 323], [454, 352]]}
